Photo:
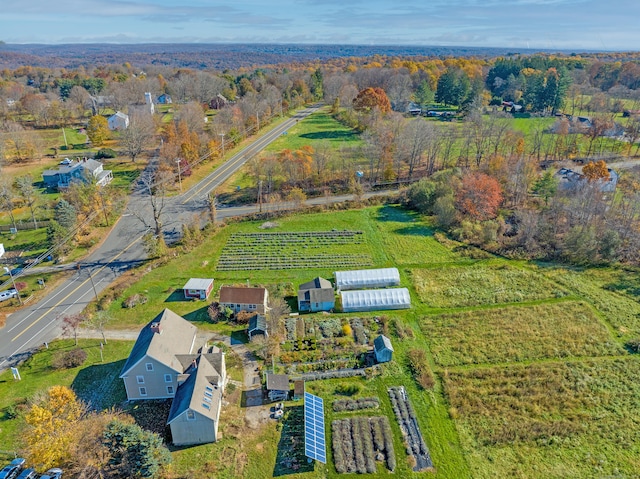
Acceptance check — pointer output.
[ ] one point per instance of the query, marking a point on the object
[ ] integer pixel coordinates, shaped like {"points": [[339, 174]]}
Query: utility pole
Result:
{"points": [[64, 135], [104, 210], [13, 281], [258, 122], [260, 196], [92, 284], [222, 135], [178, 160]]}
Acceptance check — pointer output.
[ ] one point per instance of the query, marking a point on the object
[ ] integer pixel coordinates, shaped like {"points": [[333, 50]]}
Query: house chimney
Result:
{"points": [[194, 364], [155, 327]]}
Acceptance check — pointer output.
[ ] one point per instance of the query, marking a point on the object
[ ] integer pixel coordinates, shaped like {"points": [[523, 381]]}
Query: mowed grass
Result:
{"points": [[518, 333], [605, 289], [409, 240], [553, 420], [482, 284], [318, 128]]}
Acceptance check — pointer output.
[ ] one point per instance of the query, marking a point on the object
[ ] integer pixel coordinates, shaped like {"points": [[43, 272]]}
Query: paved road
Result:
{"points": [[37, 323]]}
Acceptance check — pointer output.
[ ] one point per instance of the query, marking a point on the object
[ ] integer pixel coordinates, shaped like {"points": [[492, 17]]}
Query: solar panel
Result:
{"points": [[314, 437]]}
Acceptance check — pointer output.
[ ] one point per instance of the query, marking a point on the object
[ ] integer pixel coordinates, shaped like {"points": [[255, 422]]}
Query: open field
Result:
{"points": [[549, 420], [521, 333], [482, 284]]}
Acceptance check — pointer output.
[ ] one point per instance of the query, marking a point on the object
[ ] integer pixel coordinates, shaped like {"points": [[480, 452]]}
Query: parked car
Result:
{"points": [[10, 293], [12, 469], [66, 161], [55, 473], [28, 474]]}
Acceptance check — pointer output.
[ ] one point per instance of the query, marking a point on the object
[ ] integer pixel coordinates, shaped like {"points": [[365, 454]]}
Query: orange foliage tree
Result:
{"points": [[596, 171], [371, 98], [479, 196]]}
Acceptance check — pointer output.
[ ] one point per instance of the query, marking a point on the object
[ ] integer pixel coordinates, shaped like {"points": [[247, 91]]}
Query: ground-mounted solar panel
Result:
{"points": [[314, 436]]}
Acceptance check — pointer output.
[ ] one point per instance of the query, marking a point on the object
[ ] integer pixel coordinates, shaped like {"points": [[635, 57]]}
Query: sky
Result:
{"points": [[537, 24]]}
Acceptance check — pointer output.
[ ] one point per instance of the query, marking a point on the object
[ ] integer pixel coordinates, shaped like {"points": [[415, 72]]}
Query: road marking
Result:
{"points": [[76, 289]]}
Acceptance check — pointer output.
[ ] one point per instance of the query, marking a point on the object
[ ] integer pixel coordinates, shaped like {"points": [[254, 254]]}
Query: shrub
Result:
{"points": [[420, 368], [633, 345], [134, 300], [69, 359], [105, 153], [345, 389], [243, 317]]}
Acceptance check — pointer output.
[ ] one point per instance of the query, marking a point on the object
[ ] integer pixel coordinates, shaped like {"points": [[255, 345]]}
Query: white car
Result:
{"points": [[10, 293], [66, 161]]}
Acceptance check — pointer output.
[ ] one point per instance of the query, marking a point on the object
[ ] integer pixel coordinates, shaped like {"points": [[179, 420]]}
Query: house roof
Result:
{"points": [[239, 295], [257, 322], [323, 295], [277, 382], [316, 283], [381, 343], [119, 114], [298, 387], [198, 283], [177, 335], [200, 392]]}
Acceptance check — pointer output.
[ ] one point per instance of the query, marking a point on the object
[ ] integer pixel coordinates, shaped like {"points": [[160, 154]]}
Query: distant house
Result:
{"points": [[164, 99], [278, 387], [148, 101], [218, 102], [118, 121], [253, 300], [316, 295], [198, 288], [257, 325], [382, 349], [85, 171], [166, 363], [569, 180]]}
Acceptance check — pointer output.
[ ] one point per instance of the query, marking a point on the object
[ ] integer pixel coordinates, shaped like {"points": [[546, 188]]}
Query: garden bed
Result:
{"points": [[359, 442]]}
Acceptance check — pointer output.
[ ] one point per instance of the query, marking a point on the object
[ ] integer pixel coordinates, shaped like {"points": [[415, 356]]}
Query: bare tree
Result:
{"points": [[193, 116], [7, 195], [71, 324], [29, 194], [411, 143], [99, 322], [154, 184], [138, 135]]}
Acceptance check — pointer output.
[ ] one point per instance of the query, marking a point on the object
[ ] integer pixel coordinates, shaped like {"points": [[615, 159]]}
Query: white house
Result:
{"points": [[118, 121]]}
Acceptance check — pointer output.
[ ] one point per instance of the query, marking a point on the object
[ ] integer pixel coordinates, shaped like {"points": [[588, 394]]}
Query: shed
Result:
{"points": [[382, 349], [199, 288], [298, 389], [257, 325], [375, 299], [277, 387], [367, 278]]}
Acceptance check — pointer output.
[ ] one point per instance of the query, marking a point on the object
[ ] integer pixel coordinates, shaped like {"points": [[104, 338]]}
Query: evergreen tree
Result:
{"points": [[65, 214]]}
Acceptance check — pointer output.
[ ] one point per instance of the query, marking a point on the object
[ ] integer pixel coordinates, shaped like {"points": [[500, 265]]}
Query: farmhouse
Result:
{"points": [[198, 288], [118, 121], [84, 171], [253, 300], [278, 387], [367, 278], [375, 299], [316, 295], [166, 364], [382, 349]]}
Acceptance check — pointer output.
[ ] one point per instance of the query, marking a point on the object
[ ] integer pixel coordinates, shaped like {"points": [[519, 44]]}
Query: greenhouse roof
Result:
{"points": [[372, 299], [367, 278]]}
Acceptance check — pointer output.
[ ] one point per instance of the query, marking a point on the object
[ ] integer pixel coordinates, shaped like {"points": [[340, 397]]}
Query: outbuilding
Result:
{"points": [[375, 299], [257, 325], [367, 278], [382, 349], [198, 288], [316, 295], [277, 387]]}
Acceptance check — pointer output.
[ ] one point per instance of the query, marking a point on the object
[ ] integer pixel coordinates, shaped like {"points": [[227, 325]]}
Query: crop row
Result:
{"points": [[406, 416], [340, 405], [361, 441]]}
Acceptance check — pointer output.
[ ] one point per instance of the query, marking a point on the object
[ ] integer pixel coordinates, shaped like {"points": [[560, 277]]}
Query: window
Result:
{"points": [[238, 306], [149, 366], [191, 416], [143, 391], [168, 378], [169, 389], [140, 379]]}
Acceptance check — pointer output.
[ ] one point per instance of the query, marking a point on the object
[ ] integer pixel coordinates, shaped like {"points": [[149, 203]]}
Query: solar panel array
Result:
{"points": [[314, 437]]}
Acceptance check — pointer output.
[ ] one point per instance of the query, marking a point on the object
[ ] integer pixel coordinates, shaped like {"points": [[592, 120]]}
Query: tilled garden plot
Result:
{"points": [[359, 442], [406, 416]]}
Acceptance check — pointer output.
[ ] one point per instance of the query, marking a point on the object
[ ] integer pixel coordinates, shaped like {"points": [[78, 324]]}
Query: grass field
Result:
{"points": [[513, 334], [484, 283]]}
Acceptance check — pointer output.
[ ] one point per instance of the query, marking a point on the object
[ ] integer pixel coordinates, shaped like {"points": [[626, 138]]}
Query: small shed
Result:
{"points": [[298, 389], [198, 288], [277, 387], [382, 349], [257, 325]]}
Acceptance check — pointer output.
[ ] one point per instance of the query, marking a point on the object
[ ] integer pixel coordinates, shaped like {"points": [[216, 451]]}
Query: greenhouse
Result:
{"points": [[375, 299], [367, 278]]}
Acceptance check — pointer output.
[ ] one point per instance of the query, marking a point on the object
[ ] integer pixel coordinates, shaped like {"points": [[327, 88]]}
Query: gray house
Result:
{"points": [[382, 349], [166, 363], [83, 171], [316, 295]]}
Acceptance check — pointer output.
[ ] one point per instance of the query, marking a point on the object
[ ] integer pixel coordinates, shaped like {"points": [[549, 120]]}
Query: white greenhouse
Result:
{"points": [[367, 278], [375, 299]]}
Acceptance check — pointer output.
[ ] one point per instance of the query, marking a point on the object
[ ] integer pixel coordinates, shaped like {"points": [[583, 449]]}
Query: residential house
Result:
{"points": [[382, 349], [278, 387], [85, 171], [218, 102], [118, 121], [253, 300], [572, 180], [316, 295], [148, 101], [166, 363], [164, 99], [257, 325], [198, 288]]}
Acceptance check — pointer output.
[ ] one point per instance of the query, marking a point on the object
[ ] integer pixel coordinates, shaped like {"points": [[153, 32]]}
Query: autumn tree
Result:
{"points": [[98, 130], [479, 196], [371, 98], [71, 324], [51, 422], [596, 170], [29, 194], [138, 135], [7, 195]]}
